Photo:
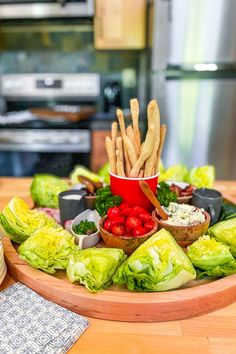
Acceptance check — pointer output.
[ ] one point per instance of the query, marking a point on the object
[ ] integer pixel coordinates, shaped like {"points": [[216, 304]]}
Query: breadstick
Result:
{"points": [[122, 129], [130, 150], [150, 164], [162, 140], [119, 157], [135, 113], [149, 140], [111, 154], [130, 133], [114, 129], [141, 174], [130, 145]]}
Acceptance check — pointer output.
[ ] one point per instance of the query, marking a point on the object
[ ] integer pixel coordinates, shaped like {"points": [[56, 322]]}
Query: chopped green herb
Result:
{"points": [[106, 200], [85, 227], [164, 194]]}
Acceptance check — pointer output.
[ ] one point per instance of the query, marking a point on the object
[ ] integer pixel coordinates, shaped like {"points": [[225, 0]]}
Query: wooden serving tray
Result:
{"points": [[118, 303]]}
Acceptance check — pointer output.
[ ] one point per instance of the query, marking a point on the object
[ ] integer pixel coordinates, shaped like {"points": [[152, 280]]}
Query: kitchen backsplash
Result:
{"points": [[57, 48]]}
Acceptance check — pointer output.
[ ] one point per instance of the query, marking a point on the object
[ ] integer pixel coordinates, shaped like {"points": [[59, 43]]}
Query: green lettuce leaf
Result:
{"points": [[104, 173], [94, 267], [80, 170], [203, 176], [225, 231], [212, 256], [174, 173], [48, 249], [218, 271], [159, 264], [45, 189], [19, 222]]}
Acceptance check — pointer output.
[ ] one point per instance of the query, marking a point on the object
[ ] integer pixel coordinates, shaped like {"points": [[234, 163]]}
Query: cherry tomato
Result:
{"points": [[129, 231], [123, 206], [133, 212], [138, 209], [149, 225], [118, 230], [126, 211], [113, 212], [118, 220], [139, 231], [107, 225], [132, 222], [144, 216]]}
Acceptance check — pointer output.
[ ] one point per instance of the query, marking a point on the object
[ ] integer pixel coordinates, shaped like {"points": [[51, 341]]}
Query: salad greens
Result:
{"points": [[20, 222], [106, 200], [80, 170], [225, 231], [48, 249], [174, 173], [159, 264], [207, 252], [94, 267], [104, 173], [165, 195], [203, 176], [45, 189], [85, 227]]}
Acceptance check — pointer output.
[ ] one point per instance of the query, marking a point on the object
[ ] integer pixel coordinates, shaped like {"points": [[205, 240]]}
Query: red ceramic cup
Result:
{"points": [[130, 191]]}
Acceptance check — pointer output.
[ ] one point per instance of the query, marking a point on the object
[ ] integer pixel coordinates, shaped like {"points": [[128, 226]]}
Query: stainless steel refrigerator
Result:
{"points": [[193, 77]]}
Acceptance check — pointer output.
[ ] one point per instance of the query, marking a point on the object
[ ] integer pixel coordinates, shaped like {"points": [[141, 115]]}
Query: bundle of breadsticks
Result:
{"points": [[128, 155]]}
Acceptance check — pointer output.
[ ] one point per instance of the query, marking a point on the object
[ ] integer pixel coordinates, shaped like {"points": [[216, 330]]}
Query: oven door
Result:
{"points": [[26, 9], [24, 152]]}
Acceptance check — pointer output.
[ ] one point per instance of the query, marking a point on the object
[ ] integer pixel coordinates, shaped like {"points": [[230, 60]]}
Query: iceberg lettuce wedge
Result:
{"points": [[48, 249], [159, 264], [45, 189], [203, 176], [174, 173], [225, 231], [20, 222], [94, 267], [206, 253]]}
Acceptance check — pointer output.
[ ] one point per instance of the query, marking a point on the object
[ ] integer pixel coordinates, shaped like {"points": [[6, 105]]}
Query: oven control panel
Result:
{"points": [[86, 85]]}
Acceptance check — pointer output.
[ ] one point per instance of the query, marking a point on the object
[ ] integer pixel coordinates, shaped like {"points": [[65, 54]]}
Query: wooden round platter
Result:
{"points": [[119, 304]]}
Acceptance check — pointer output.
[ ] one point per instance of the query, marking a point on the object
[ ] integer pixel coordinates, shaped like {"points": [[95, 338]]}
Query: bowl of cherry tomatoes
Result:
{"points": [[127, 227]]}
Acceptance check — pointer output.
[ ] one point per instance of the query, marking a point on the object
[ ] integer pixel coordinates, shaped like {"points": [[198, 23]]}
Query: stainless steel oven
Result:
{"points": [[36, 9], [46, 123]]}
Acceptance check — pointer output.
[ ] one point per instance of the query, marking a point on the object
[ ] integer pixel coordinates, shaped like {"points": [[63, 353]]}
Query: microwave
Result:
{"points": [[33, 9]]}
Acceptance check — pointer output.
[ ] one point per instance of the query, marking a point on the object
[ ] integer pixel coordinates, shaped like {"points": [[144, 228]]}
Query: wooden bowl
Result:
{"points": [[127, 243], [184, 235], [184, 200], [90, 201]]}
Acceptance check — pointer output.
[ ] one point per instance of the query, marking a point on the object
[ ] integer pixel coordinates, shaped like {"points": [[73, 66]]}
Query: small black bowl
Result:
{"points": [[71, 203]]}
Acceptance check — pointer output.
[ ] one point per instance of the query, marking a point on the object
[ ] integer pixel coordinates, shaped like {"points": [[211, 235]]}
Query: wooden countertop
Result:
{"points": [[214, 333]]}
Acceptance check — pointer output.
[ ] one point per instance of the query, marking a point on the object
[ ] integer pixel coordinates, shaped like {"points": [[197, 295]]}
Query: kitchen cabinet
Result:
{"points": [[99, 154], [120, 24]]}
